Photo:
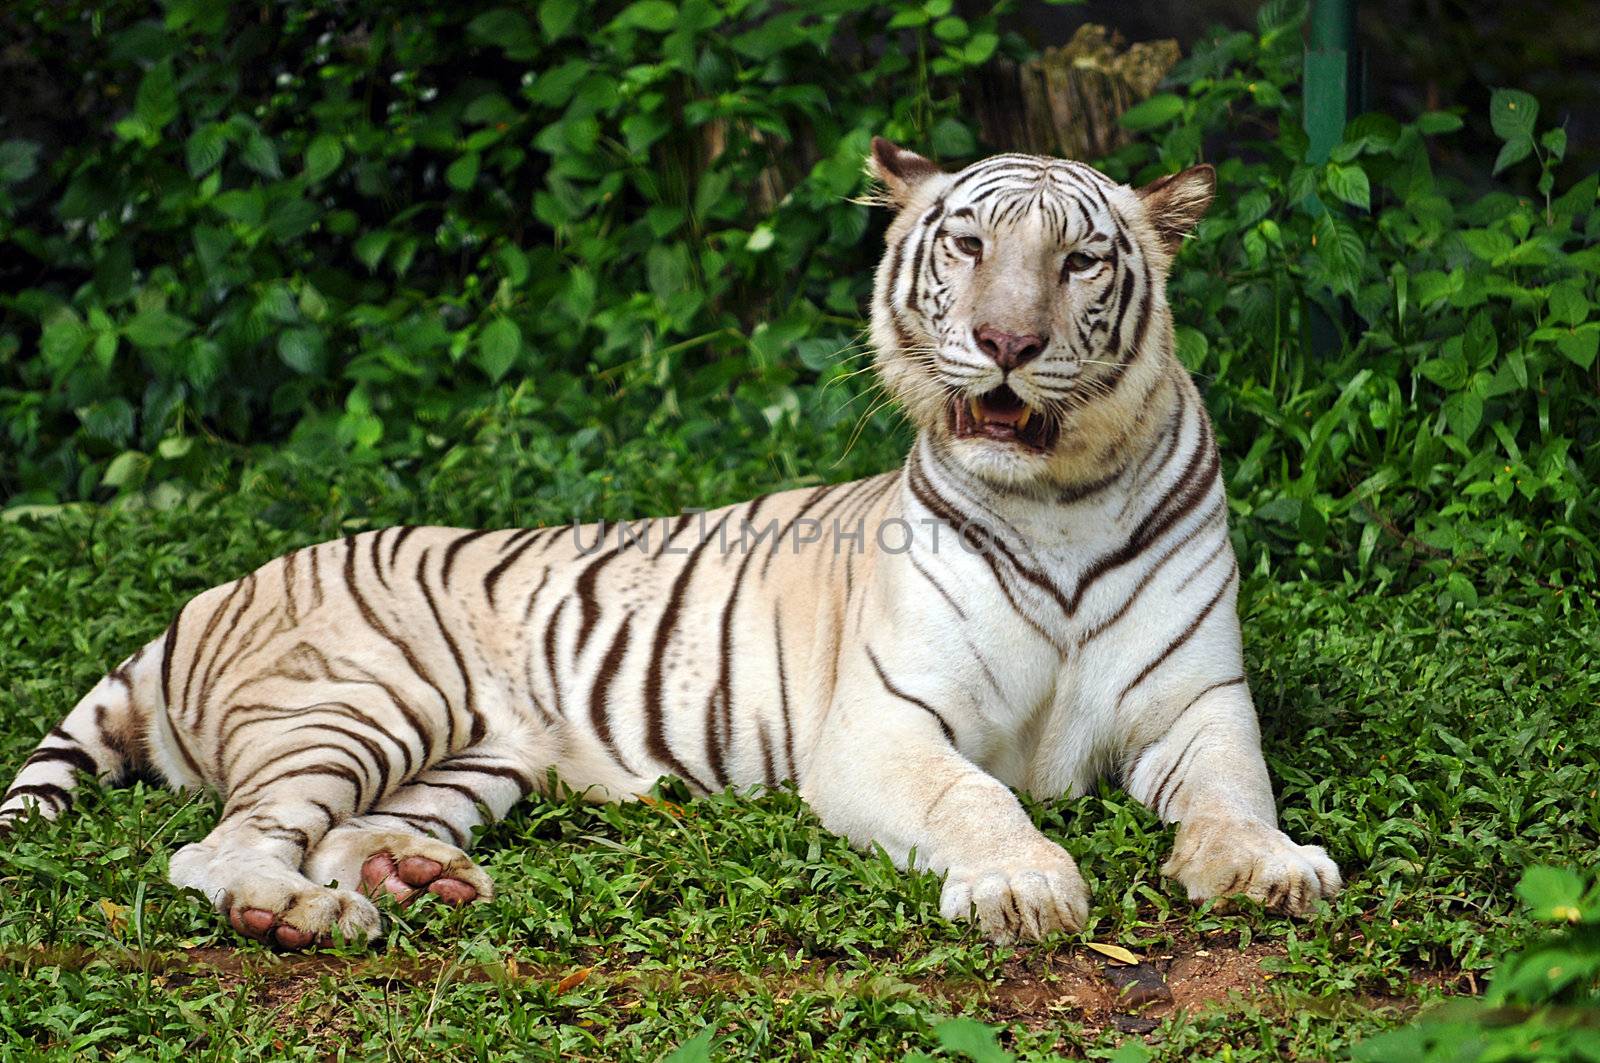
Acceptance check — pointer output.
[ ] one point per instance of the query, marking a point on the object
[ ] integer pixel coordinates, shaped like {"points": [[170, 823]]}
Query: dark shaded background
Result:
{"points": [[1420, 55]]}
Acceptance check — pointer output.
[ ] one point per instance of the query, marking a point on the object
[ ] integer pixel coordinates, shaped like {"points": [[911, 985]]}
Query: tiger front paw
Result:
{"points": [[1231, 857], [1021, 900]]}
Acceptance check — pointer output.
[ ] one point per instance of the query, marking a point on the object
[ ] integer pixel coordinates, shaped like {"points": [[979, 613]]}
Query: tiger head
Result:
{"points": [[1020, 313]]}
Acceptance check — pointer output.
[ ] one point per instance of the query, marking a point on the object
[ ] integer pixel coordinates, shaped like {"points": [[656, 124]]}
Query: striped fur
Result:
{"points": [[906, 648]]}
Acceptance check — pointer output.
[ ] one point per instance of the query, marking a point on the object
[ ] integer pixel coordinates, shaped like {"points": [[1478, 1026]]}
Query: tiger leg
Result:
{"points": [[889, 772], [249, 869], [413, 841], [1206, 773], [280, 805]]}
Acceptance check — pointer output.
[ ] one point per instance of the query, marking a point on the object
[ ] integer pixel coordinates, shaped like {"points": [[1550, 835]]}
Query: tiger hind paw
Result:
{"points": [[398, 864]]}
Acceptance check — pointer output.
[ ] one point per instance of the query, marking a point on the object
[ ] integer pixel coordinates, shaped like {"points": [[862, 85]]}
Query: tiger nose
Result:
{"points": [[1008, 349]]}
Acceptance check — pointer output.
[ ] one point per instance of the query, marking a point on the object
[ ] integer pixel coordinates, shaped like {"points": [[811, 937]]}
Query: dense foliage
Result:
{"points": [[381, 235], [346, 225]]}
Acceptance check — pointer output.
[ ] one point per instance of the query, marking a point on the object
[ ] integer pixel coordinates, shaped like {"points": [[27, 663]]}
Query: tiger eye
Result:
{"points": [[1077, 262], [970, 245]]}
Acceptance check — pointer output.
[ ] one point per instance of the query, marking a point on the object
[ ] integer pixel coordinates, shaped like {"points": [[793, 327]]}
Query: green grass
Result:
{"points": [[1436, 751]]}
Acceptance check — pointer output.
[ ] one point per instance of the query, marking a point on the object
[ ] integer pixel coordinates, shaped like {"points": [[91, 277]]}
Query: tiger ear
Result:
{"points": [[900, 171], [1176, 203]]}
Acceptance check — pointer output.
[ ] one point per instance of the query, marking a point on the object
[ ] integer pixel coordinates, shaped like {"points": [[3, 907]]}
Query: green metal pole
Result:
{"points": [[1330, 51]]}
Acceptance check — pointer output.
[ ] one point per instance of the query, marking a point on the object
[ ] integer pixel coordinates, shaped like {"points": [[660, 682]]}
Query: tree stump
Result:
{"points": [[1066, 101]]}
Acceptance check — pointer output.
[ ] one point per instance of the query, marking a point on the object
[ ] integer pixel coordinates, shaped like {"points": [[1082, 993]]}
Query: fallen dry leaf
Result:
{"points": [[1114, 953], [576, 978], [669, 807], [116, 915]]}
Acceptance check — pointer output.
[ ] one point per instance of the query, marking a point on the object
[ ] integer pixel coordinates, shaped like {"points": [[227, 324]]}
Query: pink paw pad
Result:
{"points": [[410, 877], [263, 925]]}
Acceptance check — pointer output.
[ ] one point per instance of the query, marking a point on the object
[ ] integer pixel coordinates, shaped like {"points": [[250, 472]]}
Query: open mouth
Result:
{"points": [[1001, 415]]}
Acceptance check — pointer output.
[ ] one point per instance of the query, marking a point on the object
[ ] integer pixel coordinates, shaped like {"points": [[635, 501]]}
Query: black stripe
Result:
{"points": [[1156, 799], [721, 698], [584, 589], [883, 677], [453, 549], [783, 697], [380, 760], [499, 771], [916, 564], [57, 795], [420, 819], [600, 694], [394, 547], [655, 716], [1150, 573], [375, 543], [491, 579], [425, 734], [1172, 647], [479, 724], [371, 617], [78, 758]]}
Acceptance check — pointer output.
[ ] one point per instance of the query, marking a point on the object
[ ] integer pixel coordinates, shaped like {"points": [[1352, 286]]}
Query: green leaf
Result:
{"points": [[1555, 142], [301, 350], [1461, 589], [1349, 183], [1512, 152], [951, 139], [1581, 344], [1463, 413], [657, 16], [261, 155], [508, 30], [156, 328], [63, 341], [1449, 373], [205, 148], [1512, 114], [1568, 304], [980, 48], [126, 469], [19, 159], [761, 238], [463, 173], [323, 156], [370, 248], [556, 17], [696, 1049], [156, 102], [972, 1039], [111, 420], [1487, 244], [1434, 122], [499, 346], [1554, 894], [1152, 113]]}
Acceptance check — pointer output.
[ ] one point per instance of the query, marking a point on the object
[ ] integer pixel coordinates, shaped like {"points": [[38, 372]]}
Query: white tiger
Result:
{"points": [[1043, 594]]}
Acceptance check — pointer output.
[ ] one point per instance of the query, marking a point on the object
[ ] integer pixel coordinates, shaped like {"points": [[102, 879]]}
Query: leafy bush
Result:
{"points": [[1458, 423], [346, 225], [533, 235], [1543, 1003]]}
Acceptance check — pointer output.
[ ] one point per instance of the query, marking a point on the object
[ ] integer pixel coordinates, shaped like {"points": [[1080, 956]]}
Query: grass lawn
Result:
{"points": [[1435, 752]]}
